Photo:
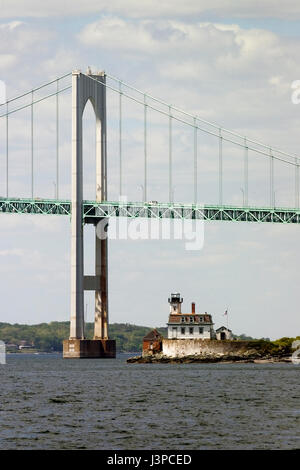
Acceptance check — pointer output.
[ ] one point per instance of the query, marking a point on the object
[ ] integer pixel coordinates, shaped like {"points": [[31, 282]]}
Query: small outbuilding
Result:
{"points": [[223, 333], [152, 342]]}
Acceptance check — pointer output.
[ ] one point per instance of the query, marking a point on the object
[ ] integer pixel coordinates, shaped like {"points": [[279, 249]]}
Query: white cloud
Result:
{"points": [[18, 36], [221, 72], [145, 36], [290, 9], [194, 50], [20, 44], [158, 36], [7, 60]]}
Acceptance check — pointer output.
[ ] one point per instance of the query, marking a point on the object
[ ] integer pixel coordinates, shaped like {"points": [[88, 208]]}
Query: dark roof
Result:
{"points": [[176, 318], [152, 335], [223, 328]]}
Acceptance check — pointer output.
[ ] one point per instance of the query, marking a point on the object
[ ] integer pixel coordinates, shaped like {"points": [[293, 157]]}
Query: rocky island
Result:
{"points": [[227, 351], [192, 338]]}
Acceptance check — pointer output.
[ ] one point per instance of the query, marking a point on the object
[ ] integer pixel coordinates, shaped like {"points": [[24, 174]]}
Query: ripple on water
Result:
{"points": [[49, 403]]}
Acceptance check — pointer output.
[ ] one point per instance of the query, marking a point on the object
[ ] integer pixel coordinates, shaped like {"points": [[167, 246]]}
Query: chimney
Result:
{"points": [[193, 307]]}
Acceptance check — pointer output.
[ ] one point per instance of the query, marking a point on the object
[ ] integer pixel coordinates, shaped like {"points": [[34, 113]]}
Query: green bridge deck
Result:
{"points": [[93, 210]]}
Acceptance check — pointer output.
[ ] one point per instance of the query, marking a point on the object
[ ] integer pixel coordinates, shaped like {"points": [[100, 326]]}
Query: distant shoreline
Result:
{"points": [[45, 353]]}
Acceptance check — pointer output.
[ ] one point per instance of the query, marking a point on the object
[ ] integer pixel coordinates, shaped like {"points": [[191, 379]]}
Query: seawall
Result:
{"points": [[206, 350], [207, 347]]}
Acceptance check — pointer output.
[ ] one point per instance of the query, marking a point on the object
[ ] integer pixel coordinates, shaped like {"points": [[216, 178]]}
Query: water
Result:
{"points": [[51, 403]]}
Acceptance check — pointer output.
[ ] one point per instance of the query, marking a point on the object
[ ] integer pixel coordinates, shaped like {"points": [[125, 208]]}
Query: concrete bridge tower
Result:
{"points": [[88, 87]]}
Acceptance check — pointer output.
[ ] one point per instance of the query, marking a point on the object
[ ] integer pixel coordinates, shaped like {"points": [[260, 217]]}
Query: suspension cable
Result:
{"points": [[216, 134], [36, 89], [204, 121]]}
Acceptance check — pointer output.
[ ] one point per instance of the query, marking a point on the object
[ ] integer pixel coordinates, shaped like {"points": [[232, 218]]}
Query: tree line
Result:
{"points": [[48, 337]]}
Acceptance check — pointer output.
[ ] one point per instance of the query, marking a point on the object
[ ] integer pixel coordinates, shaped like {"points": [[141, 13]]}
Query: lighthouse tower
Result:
{"points": [[175, 302]]}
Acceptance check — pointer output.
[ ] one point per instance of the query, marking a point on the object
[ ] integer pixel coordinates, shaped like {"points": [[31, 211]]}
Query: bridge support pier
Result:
{"points": [[89, 348], [86, 88]]}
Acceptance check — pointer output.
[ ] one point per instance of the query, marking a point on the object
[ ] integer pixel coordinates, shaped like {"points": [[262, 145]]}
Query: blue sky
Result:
{"points": [[224, 62]]}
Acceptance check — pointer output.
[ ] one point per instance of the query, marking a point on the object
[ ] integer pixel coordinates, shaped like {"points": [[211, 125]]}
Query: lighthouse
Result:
{"points": [[175, 302], [188, 325]]}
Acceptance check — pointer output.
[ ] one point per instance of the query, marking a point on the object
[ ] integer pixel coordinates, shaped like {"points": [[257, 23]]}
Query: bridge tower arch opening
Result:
{"points": [[90, 87]]}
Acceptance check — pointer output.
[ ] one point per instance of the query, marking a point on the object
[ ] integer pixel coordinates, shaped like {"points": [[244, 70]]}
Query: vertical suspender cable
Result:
{"points": [[272, 199], [195, 164], [120, 138], [32, 169], [246, 172], [296, 183], [7, 149], [220, 167], [57, 139], [170, 157], [145, 147]]}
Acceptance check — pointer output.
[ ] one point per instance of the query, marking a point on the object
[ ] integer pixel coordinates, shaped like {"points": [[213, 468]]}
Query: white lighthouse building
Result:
{"points": [[188, 325]]}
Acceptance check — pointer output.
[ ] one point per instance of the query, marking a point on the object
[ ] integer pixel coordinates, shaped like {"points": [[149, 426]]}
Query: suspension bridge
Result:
{"points": [[28, 168]]}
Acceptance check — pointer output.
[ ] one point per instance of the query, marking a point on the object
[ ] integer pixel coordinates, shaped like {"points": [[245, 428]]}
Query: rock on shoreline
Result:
{"points": [[209, 359]]}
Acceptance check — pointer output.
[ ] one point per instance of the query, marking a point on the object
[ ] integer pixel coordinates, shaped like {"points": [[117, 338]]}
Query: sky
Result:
{"points": [[228, 62]]}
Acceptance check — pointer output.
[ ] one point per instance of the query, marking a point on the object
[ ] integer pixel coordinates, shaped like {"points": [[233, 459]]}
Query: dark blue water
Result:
{"points": [[51, 403]]}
